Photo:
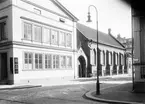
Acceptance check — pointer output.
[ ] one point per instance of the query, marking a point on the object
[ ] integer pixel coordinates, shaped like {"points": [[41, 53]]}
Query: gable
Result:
{"points": [[54, 6]]}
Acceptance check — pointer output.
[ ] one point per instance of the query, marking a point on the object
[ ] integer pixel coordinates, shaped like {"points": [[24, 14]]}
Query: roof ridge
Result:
{"points": [[92, 28], [117, 40]]}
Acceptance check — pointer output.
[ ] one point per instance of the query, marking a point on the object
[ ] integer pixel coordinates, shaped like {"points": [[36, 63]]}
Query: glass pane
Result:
{"points": [[46, 35], [37, 33]]}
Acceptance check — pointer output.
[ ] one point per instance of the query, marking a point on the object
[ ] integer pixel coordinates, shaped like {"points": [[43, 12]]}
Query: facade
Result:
{"points": [[37, 41], [138, 34], [127, 42], [112, 56], [138, 30]]}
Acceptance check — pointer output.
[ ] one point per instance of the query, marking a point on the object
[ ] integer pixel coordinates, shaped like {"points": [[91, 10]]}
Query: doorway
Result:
{"points": [[82, 67], [3, 67]]}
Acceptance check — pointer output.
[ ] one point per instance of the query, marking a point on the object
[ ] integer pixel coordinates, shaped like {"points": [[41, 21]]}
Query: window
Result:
{"points": [[63, 61], [93, 57], [68, 40], [3, 30], [27, 31], [48, 61], [103, 58], [55, 61], [62, 38], [37, 11], [46, 35], [28, 60], [116, 58], [38, 61], [69, 62], [142, 72], [54, 37], [37, 33], [122, 59]]}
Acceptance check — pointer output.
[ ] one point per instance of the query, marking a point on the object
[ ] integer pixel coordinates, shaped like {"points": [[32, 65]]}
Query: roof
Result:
{"points": [[103, 37], [65, 10]]}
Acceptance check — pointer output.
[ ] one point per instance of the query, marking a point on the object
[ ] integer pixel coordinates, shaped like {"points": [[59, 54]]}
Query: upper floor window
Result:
{"points": [[46, 35], [27, 31], [37, 33], [3, 35], [62, 41], [68, 40], [54, 37]]}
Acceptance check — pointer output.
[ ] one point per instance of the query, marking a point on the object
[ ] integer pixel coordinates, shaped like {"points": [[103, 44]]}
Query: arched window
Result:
{"points": [[103, 58], [93, 57], [116, 58], [110, 58]]}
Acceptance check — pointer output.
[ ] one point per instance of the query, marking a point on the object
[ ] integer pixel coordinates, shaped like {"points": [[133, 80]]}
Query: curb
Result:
{"points": [[91, 97], [21, 87]]}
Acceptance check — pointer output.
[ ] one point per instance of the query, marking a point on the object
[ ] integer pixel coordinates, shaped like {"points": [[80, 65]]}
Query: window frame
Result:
{"points": [[24, 22], [28, 59], [5, 35]]}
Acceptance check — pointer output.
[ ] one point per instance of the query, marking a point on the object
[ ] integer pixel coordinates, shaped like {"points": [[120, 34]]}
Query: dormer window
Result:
{"points": [[37, 11], [62, 20]]}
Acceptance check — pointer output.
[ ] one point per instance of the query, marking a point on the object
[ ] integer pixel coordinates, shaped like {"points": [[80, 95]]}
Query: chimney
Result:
{"points": [[109, 31]]}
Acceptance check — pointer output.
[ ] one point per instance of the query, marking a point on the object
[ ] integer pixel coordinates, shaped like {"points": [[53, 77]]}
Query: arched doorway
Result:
{"points": [[82, 67]]}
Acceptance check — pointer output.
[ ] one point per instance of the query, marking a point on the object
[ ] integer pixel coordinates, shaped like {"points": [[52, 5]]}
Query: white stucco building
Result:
{"points": [[37, 41]]}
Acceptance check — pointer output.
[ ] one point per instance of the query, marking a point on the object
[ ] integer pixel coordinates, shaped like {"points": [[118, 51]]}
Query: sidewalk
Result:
{"points": [[59, 82], [121, 94]]}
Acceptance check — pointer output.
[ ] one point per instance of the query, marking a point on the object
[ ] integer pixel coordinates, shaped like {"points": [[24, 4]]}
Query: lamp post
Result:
{"points": [[89, 20]]}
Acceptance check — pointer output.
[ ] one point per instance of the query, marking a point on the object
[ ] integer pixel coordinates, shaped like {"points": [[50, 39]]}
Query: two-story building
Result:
{"points": [[37, 41]]}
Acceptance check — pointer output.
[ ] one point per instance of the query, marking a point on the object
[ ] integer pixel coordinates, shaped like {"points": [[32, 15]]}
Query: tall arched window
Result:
{"points": [[116, 58], [93, 57], [103, 58]]}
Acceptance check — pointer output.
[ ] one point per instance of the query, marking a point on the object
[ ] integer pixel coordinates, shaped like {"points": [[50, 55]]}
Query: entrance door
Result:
{"points": [[82, 67], [3, 66]]}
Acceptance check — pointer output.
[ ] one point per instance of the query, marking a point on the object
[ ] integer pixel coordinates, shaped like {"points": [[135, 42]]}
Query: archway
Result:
{"points": [[82, 67]]}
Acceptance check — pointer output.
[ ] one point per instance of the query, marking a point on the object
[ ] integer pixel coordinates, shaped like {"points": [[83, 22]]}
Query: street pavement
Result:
{"points": [[68, 93]]}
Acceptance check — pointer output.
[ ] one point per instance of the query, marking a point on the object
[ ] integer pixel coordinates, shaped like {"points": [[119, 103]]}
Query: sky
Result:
{"points": [[112, 14]]}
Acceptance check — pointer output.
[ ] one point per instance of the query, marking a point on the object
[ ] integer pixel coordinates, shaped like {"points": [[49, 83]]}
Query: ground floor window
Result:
{"points": [[46, 61], [63, 61], [28, 60], [69, 61], [38, 61]]}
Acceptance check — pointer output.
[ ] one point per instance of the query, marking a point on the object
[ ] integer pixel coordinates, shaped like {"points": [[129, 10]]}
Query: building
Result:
{"points": [[127, 42], [37, 41], [112, 57], [138, 31]]}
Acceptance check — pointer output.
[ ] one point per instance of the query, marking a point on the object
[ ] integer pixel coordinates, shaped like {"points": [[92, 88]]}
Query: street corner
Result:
{"points": [[91, 95]]}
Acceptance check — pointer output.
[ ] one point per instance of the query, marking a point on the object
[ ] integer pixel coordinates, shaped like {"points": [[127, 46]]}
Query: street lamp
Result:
{"points": [[89, 20]]}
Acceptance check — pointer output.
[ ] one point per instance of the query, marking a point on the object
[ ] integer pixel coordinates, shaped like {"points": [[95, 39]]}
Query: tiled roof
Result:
{"points": [[103, 37]]}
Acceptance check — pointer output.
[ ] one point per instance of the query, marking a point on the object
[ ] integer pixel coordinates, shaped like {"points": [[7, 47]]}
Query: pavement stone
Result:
{"points": [[120, 94]]}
